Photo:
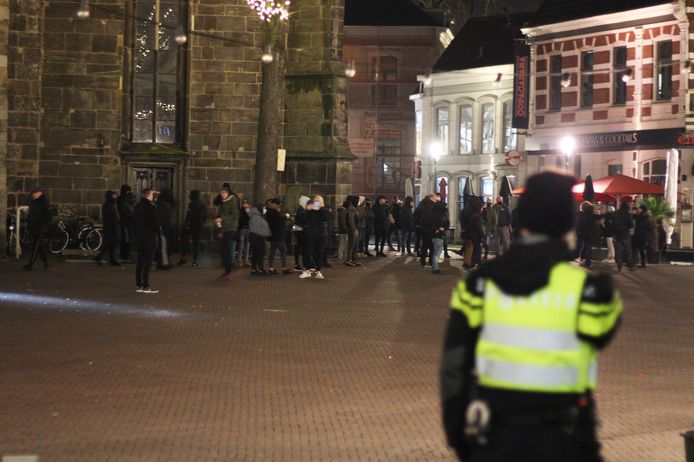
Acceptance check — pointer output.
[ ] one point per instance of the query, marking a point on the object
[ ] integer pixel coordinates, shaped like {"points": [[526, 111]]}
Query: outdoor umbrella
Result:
{"points": [[505, 189], [467, 191], [578, 194], [588, 190], [409, 190], [621, 185]]}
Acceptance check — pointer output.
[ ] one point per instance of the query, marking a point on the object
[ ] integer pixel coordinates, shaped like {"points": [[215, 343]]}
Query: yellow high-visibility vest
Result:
{"points": [[531, 343]]}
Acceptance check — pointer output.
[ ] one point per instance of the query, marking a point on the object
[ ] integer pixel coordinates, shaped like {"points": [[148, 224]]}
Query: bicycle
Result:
{"points": [[14, 229], [82, 235]]}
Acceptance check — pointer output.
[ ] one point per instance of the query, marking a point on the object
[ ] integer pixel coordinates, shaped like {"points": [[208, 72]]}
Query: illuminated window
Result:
{"points": [[418, 132], [488, 121], [510, 137], [487, 188], [156, 68], [466, 129], [442, 127], [619, 58], [655, 171]]}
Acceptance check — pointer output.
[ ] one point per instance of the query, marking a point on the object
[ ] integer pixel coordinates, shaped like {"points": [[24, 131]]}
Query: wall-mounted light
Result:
{"points": [[498, 78], [350, 70], [181, 37], [267, 57], [626, 75], [427, 80], [567, 145], [565, 79], [83, 10]]}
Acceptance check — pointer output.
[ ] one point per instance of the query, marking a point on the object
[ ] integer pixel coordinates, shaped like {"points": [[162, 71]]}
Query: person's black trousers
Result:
{"points": [[298, 248], [257, 251], [426, 249], [110, 248], [314, 248], [407, 241], [380, 241], [144, 262], [39, 247], [125, 243], [189, 234]]}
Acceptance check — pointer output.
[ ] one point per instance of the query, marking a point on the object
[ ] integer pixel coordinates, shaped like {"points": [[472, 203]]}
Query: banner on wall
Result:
{"points": [[521, 86]]}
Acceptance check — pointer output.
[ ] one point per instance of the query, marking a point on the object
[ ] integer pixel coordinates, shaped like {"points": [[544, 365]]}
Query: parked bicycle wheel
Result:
{"points": [[59, 241], [94, 239]]}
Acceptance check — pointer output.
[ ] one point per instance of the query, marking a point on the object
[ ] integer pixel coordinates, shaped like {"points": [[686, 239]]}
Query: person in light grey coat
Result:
{"points": [[259, 231]]}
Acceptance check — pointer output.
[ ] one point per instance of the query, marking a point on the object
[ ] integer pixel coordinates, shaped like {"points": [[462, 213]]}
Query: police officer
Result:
{"points": [[519, 363]]}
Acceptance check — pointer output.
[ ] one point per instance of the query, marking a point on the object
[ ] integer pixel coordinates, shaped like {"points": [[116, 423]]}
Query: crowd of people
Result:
{"points": [[247, 232]]}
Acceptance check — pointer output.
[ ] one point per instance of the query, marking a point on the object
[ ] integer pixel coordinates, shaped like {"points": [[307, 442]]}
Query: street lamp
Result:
{"points": [[567, 146], [435, 150]]}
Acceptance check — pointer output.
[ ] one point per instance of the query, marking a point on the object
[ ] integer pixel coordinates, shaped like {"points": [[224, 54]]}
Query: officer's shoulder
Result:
{"points": [[474, 283], [598, 288]]}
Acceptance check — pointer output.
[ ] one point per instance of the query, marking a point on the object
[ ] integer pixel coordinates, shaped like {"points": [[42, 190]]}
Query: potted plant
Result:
{"points": [[659, 209]]}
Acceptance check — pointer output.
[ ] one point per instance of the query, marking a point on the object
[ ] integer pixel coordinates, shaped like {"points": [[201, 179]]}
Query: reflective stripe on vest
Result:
{"points": [[530, 342]]}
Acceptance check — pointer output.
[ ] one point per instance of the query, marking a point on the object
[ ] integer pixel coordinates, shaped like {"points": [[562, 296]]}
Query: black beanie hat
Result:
{"points": [[547, 206]]}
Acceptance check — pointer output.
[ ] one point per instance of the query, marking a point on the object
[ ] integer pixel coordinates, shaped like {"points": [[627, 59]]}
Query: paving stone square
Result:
{"points": [[282, 369]]}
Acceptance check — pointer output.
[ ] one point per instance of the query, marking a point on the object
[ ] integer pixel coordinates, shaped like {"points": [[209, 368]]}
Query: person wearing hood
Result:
{"points": [[259, 232], [643, 231], [524, 331], [299, 232], [38, 219], [147, 229], [110, 230], [380, 210], [394, 211], [196, 215], [473, 229], [228, 224], [363, 225], [126, 203], [315, 224], [277, 221], [218, 199], [407, 225]]}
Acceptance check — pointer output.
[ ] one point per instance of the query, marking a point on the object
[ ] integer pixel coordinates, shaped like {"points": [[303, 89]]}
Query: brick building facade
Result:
{"points": [[613, 80], [94, 103]]}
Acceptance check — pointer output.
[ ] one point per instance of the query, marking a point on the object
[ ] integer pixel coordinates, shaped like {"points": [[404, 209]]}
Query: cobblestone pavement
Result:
{"points": [[282, 369]]}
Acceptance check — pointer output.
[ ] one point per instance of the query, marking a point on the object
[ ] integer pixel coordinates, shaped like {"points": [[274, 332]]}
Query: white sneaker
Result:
{"points": [[305, 274], [397, 254], [319, 275]]}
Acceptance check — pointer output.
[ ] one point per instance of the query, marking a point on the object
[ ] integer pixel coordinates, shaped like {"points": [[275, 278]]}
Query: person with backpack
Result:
{"points": [[621, 225]]}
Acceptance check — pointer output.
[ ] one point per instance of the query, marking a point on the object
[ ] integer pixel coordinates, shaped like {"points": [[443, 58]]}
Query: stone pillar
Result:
{"points": [[4, 32], [319, 160]]}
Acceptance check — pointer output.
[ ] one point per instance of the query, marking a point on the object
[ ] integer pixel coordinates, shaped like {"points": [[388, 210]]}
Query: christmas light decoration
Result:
{"points": [[267, 10]]}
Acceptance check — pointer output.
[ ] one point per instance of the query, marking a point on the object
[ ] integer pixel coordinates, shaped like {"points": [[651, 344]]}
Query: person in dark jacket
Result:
{"points": [[394, 224], [196, 216], [662, 239], [380, 210], [259, 232], [473, 230], [439, 226], [229, 210], [503, 226], [244, 246], [621, 224], [352, 228], [126, 202], [147, 229], [38, 219], [315, 225], [588, 232], [277, 220], [343, 240], [643, 229], [424, 219], [407, 224], [110, 230], [165, 207]]}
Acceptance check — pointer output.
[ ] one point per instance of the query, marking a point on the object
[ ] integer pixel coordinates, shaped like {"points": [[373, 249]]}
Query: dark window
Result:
{"points": [[555, 82], [615, 169], [587, 79], [384, 68], [384, 94], [388, 173], [619, 64], [156, 73], [663, 87], [577, 166]]}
